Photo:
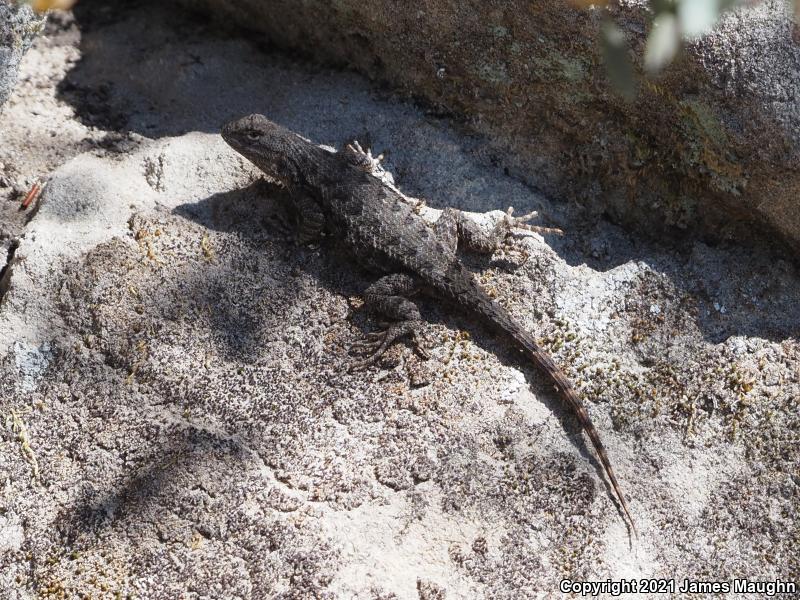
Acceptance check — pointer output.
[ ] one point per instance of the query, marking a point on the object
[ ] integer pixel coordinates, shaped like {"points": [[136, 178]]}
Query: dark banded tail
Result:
{"points": [[570, 396], [500, 317]]}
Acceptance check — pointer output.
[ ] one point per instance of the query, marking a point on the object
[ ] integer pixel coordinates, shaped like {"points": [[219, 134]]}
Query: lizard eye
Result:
{"points": [[253, 135]]}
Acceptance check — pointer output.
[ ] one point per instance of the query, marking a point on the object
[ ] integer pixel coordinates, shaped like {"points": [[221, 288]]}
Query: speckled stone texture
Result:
{"points": [[18, 26], [176, 418], [179, 421], [711, 147]]}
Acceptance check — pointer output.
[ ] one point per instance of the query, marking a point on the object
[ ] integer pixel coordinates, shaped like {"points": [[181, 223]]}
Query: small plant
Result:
{"points": [[673, 22]]}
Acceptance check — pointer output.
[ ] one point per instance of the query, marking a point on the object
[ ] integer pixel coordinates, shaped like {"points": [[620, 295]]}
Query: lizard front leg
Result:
{"points": [[364, 159], [388, 297], [455, 228], [307, 220]]}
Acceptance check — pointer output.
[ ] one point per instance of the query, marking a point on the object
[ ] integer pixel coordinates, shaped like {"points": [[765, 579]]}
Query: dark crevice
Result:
{"points": [[5, 272]]}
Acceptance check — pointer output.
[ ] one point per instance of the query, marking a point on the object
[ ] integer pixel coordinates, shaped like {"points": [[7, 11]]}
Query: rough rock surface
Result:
{"points": [[176, 421], [712, 146], [18, 26]]}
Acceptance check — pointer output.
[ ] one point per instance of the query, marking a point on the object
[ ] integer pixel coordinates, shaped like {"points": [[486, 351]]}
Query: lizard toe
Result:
{"points": [[375, 344], [420, 344], [523, 222]]}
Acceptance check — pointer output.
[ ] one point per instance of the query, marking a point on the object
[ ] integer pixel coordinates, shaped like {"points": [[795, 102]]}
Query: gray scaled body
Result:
{"points": [[335, 193]]}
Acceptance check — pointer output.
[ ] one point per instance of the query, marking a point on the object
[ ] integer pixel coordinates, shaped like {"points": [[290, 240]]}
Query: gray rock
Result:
{"points": [[175, 420], [178, 420], [19, 25], [711, 147]]}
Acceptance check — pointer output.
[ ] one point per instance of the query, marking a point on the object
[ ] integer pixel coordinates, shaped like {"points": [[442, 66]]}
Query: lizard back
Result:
{"points": [[383, 231]]}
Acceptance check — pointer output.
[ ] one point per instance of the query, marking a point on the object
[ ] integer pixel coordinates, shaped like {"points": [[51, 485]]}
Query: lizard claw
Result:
{"points": [[375, 344], [522, 222], [364, 158], [371, 164]]}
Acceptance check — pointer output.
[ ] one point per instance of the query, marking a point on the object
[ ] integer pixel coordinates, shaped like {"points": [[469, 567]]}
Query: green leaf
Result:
{"points": [[618, 64], [698, 16], [663, 6], [662, 42]]}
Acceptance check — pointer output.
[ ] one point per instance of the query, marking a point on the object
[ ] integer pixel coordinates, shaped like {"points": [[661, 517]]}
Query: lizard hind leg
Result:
{"points": [[388, 297]]}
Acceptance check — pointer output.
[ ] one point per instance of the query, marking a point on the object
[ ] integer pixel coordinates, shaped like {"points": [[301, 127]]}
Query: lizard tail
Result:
{"points": [[570, 396], [498, 315]]}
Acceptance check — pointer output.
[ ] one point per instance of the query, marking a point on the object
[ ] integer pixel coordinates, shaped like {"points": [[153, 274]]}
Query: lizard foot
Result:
{"points": [[375, 344], [364, 159], [372, 165], [522, 222]]}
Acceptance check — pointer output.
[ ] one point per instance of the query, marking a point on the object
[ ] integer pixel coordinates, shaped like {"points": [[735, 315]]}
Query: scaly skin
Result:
{"points": [[335, 192]]}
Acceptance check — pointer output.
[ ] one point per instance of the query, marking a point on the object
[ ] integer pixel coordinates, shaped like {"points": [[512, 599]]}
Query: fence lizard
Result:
{"points": [[336, 193]]}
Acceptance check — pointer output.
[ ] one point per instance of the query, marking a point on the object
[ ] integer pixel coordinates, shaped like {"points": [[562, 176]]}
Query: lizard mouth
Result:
{"points": [[228, 134], [237, 139]]}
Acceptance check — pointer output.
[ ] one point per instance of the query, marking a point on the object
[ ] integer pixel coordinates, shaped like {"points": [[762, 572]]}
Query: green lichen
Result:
{"points": [[566, 68], [18, 427], [572, 69], [495, 73], [498, 31], [708, 147], [706, 122]]}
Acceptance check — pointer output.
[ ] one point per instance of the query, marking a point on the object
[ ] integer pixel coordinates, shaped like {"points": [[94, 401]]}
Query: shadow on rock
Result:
{"points": [[151, 495], [258, 207], [254, 212], [156, 70]]}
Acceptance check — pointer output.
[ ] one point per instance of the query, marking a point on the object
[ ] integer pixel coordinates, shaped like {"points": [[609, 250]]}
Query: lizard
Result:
{"points": [[336, 194]]}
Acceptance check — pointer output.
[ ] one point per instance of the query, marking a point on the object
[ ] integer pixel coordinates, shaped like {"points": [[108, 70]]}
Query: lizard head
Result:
{"points": [[264, 143]]}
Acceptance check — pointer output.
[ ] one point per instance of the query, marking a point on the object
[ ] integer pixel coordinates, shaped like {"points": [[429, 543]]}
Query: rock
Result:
{"points": [[711, 147], [19, 25], [175, 415], [171, 371]]}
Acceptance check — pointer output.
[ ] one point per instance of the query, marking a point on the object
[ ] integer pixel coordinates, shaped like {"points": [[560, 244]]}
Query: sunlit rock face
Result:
{"points": [[18, 26], [708, 147]]}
